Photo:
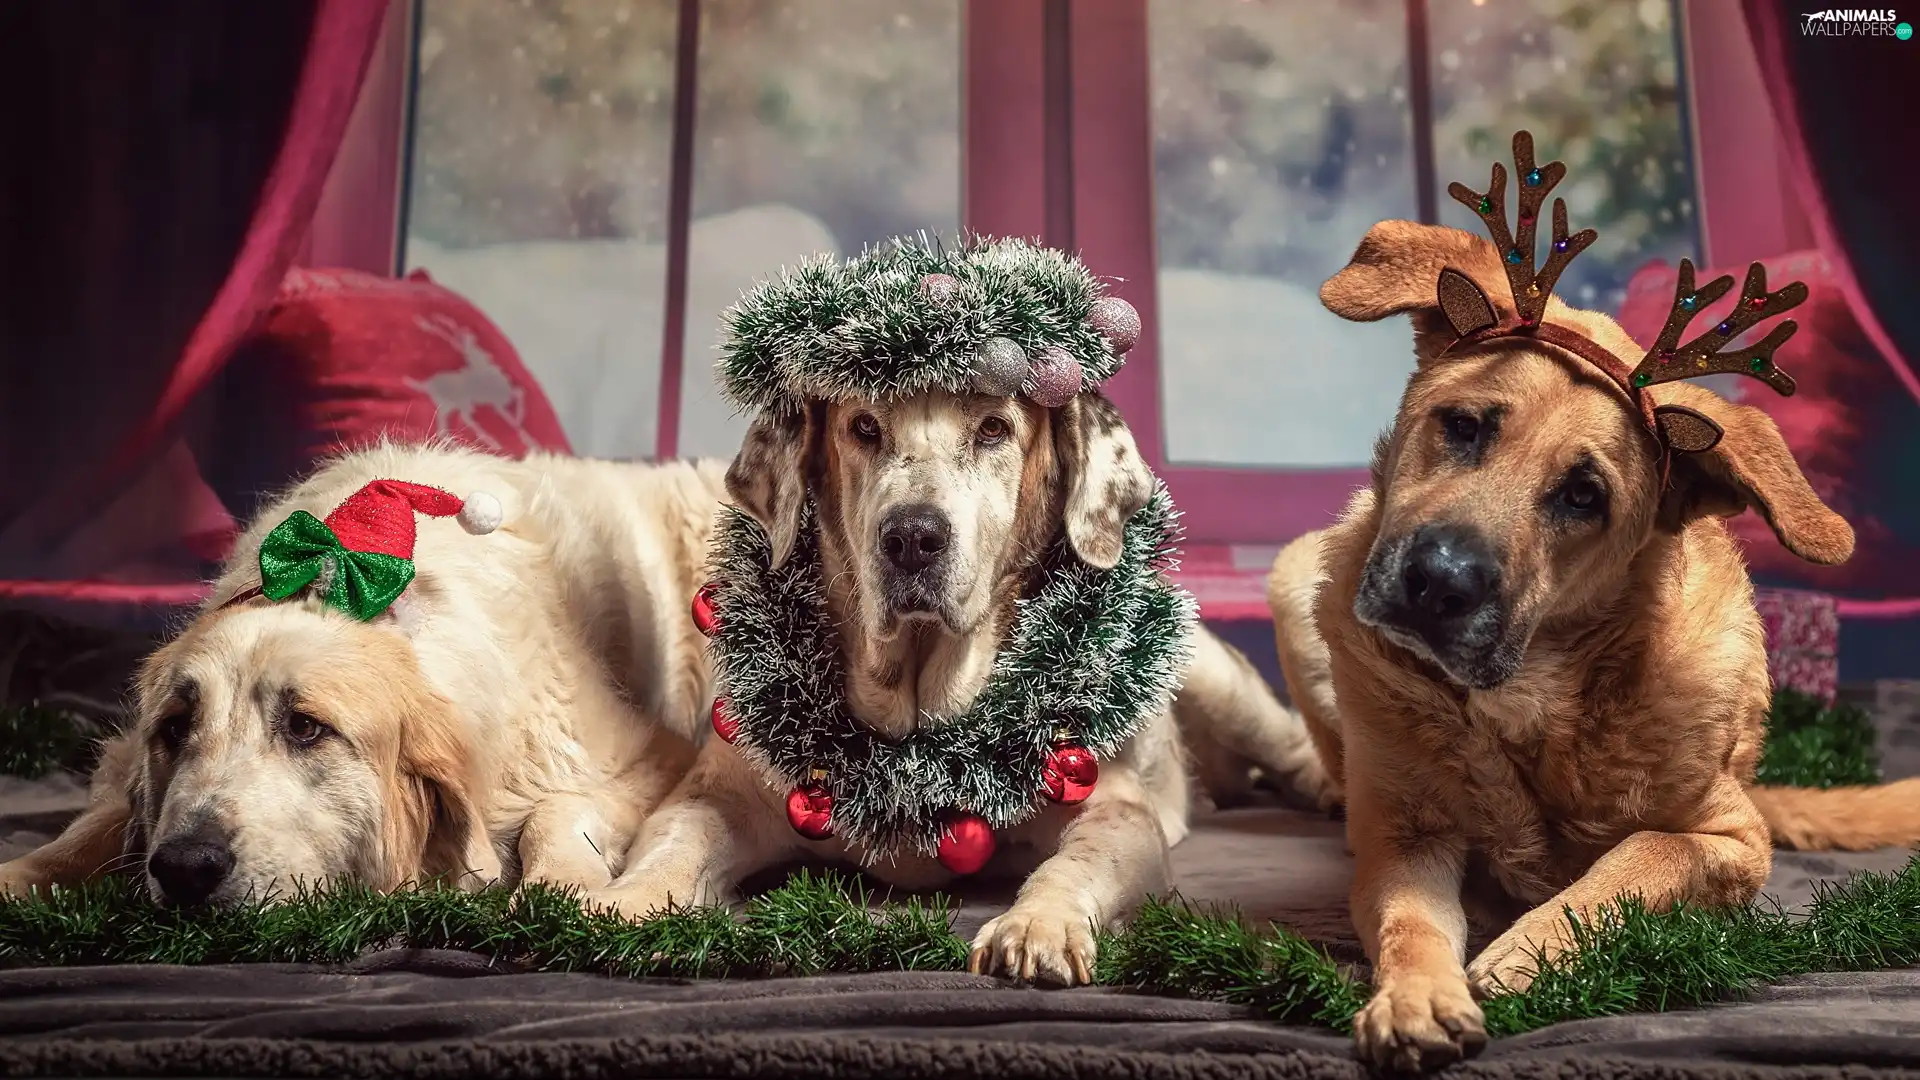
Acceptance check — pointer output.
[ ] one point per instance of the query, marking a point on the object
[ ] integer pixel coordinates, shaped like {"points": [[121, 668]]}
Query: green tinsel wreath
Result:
{"points": [[835, 329], [1096, 653]]}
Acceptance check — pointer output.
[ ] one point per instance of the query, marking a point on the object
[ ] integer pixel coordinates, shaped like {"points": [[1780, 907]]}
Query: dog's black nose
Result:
{"points": [[189, 868], [1447, 573], [914, 537]]}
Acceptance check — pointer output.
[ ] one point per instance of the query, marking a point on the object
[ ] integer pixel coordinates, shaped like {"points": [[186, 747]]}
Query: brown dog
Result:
{"points": [[1549, 676]]}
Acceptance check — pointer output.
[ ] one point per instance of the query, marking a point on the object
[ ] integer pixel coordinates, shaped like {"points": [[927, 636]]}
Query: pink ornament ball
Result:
{"points": [[941, 289], [1056, 378], [1114, 319]]}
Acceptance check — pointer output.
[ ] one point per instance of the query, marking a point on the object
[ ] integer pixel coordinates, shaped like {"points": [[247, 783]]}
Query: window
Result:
{"points": [[1282, 131], [821, 128], [543, 156], [1280, 134], [1223, 157], [1598, 84], [541, 145]]}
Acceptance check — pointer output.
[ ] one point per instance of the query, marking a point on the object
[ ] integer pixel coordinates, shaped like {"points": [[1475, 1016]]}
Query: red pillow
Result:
{"points": [[1835, 423], [407, 357], [344, 358]]}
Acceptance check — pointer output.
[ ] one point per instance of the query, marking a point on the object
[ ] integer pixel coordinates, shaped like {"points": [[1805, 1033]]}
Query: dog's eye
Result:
{"points": [[994, 428], [304, 730], [1581, 494], [865, 428], [174, 728], [1462, 428]]}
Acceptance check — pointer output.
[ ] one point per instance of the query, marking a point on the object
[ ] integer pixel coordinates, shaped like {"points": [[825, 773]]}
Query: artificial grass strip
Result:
{"points": [[1811, 745], [811, 925], [1173, 949], [1628, 959], [1634, 960], [36, 741]]}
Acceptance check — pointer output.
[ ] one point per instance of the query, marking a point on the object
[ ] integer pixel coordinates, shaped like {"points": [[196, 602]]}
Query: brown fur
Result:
{"points": [[1613, 755]]}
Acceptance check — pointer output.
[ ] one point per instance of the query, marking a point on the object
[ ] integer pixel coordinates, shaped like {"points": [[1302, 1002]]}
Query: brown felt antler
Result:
{"points": [[1678, 428], [1706, 354], [1530, 289]]}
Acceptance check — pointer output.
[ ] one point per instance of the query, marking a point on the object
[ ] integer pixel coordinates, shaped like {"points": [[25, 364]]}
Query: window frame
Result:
{"points": [[1038, 161]]}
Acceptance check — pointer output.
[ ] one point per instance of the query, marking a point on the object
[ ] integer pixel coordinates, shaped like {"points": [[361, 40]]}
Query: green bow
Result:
{"points": [[297, 552]]}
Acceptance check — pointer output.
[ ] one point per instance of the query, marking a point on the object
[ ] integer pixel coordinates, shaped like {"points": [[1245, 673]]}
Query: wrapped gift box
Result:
{"points": [[1803, 640]]}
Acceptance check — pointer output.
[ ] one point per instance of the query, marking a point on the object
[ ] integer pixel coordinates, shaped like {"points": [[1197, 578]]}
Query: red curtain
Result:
{"points": [[167, 161], [1838, 100]]}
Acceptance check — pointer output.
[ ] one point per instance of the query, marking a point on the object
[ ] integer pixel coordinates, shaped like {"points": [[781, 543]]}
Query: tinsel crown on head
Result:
{"points": [[995, 316], [1678, 428]]}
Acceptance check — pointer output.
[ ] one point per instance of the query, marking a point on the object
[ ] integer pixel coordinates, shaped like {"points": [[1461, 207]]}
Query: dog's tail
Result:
{"points": [[1842, 818]]}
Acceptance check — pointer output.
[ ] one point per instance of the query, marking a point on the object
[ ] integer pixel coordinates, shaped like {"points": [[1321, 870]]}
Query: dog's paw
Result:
{"points": [[1418, 1024], [19, 882], [633, 902], [583, 885], [1047, 945], [1510, 963]]}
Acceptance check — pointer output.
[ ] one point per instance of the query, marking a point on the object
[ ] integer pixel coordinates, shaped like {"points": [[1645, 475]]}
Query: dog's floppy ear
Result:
{"points": [[432, 821], [1406, 267], [1750, 467], [123, 776], [768, 477], [1106, 479]]}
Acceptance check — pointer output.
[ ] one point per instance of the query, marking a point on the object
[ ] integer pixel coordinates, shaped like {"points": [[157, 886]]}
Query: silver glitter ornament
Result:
{"points": [[1000, 367]]}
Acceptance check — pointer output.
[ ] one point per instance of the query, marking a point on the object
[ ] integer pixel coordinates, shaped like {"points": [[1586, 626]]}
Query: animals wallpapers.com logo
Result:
{"points": [[1849, 22]]}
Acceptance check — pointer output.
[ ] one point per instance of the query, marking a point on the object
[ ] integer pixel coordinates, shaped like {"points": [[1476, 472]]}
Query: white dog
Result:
{"points": [[993, 480], [512, 716]]}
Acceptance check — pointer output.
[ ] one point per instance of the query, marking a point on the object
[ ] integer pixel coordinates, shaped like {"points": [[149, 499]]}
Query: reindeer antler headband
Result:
{"points": [[1677, 427]]}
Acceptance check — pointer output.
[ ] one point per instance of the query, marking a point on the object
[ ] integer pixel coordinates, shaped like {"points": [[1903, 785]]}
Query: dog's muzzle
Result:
{"points": [[190, 867], [914, 542], [1436, 590]]}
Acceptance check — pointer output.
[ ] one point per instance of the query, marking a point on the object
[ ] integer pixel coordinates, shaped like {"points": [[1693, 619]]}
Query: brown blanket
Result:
{"points": [[442, 1015]]}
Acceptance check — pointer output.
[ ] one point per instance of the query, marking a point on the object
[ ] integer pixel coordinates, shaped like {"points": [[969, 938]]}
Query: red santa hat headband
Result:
{"points": [[360, 559]]}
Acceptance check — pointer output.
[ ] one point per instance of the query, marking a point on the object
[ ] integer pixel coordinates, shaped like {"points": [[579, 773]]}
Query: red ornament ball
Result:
{"points": [[966, 843], [705, 619], [1069, 774], [1115, 320], [810, 811], [723, 725], [941, 289], [1056, 378]]}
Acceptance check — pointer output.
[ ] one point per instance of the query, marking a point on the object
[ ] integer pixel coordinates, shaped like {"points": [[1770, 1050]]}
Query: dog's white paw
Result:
{"points": [[1038, 944], [1419, 1023], [635, 901]]}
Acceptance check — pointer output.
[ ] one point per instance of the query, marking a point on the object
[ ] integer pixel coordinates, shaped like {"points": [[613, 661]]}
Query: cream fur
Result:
{"points": [[543, 682], [1007, 494]]}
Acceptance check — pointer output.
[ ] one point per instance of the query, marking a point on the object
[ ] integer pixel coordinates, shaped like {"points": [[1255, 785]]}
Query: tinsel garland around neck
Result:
{"points": [[1094, 654]]}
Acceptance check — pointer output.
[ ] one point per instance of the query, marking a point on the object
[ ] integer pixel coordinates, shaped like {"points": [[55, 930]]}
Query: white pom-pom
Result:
{"points": [[481, 513]]}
